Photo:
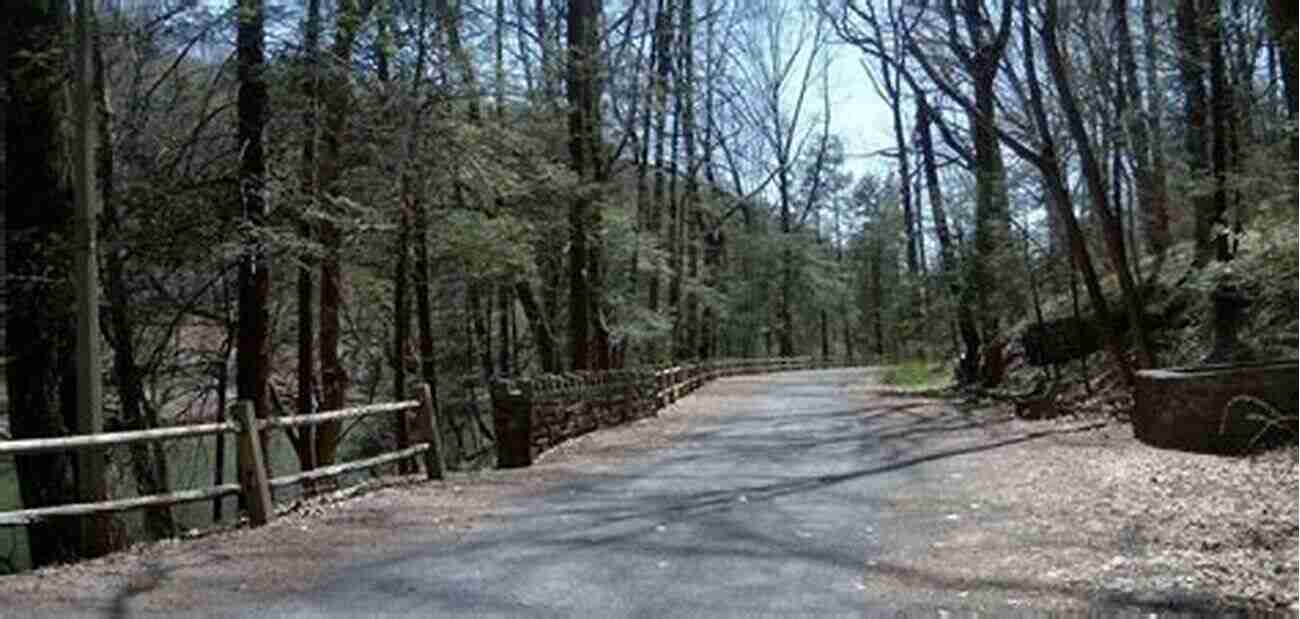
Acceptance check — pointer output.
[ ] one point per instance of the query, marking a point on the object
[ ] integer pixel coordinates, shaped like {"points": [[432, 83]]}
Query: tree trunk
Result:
{"points": [[785, 301], [333, 376], [1158, 235], [505, 312], [304, 440], [1112, 229], [646, 103], [1220, 120], [1058, 196], [993, 253], [711, 238], [504, 296], [148, 461], [1282, 19], [878, 291], [663, 31], [1128, 100], [253, 357], [688, 225], [414, 205], [583, 93], [969, 364], [1191, 69], [893, 88], [401, 288], [40, 326], [540, 327], [479, 327], [423, 305]]}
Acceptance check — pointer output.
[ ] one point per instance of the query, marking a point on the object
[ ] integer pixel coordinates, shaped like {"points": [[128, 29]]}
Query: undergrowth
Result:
{"points": [[915, 373]]}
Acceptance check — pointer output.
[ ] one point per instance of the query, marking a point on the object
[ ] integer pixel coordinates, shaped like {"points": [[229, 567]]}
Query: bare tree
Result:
{"points": [[782, 57], [1112, 229], [1282, 20], [1155, 214], [148, 462]]}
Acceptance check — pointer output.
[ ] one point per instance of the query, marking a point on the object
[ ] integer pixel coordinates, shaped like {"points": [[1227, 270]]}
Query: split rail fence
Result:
{"points": [[529, 415], [254, 485]]}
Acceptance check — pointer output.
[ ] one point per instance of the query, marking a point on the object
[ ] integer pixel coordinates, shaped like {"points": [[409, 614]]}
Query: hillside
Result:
{"points": [[1177, 313]]}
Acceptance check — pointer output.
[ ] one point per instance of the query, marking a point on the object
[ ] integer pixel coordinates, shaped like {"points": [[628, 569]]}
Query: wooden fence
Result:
{"points": [[254, 484], [529, 415]]}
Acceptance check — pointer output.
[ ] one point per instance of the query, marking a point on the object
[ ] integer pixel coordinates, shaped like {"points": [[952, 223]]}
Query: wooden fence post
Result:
{"points": [[252, 466], [427, 423]]}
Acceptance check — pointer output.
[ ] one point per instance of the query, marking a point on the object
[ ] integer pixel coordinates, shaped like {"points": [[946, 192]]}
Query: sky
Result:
{"points": [[858, 115]]}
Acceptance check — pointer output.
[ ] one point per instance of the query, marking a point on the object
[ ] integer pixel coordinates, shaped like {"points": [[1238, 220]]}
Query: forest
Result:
{"points": [[315, 203]]}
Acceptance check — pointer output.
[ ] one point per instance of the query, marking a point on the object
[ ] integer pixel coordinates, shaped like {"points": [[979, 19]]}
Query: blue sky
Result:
{"points": [[858, 114]]}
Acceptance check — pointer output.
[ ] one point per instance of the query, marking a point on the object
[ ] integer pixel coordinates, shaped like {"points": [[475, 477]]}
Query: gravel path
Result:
{"points": [[805, 493]]}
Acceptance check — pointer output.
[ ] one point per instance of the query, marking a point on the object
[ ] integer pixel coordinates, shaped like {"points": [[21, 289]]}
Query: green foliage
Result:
{"points": [[488, 247], [914, 373]]}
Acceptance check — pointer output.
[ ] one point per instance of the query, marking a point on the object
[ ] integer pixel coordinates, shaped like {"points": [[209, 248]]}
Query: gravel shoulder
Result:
{"points": [[1081, 519], [1071, 514]]}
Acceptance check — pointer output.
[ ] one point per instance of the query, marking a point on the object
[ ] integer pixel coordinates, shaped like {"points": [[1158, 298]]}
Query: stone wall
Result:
{"points": [[536, 414], [1217, 409]]}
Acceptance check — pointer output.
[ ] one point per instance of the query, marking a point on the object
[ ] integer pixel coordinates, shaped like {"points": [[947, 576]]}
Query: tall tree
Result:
{"points": [[1155, 215], [1094, 176], [662, 64], [783, 57], [1282, 20], [981, 55], [338, 105], [684, 251], [948, 268], [255, 265], [401, 282], [583, 92], [1191, 69], [40, 326], [1158, 233], [1220, 121], [148, 461], [305, 438], [449, 18], [1058, 200], [92, 480]]}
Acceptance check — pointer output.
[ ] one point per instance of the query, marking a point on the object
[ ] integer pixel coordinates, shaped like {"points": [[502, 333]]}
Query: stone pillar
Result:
{"points": [[1230, 303], [512, 416]]}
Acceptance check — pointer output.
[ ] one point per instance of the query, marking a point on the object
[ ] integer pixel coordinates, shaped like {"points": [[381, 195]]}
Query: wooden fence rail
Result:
{"points": [[109, 439], [254, 485], [622, 395]]}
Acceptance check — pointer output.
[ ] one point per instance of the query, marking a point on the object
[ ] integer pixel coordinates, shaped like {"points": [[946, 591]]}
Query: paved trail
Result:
{"points": [[796, 494], [770, 505]]}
